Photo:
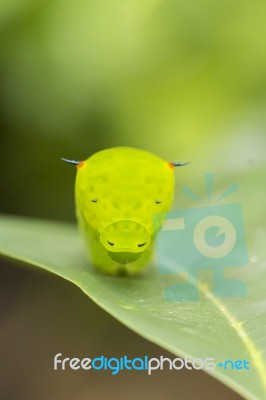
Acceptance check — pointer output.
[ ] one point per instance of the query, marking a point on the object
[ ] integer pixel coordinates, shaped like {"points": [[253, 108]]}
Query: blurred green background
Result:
{"points": [[183, 79]]}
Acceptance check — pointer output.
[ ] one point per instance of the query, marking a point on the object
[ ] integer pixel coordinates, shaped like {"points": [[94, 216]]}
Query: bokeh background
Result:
{"points": [[183, 79]]}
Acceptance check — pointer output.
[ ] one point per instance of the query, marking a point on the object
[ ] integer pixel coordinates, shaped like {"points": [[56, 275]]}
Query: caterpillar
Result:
{"points": [[122, 197]]}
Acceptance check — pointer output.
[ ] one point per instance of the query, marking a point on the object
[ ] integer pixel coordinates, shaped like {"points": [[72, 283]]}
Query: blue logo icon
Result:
{"points": [[196, 239]]}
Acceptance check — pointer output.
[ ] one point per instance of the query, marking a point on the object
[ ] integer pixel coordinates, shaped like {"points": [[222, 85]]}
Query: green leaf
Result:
{"points": [[221, 328]]}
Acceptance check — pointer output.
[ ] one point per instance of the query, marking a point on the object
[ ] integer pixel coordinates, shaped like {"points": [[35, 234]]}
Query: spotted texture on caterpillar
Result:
{"points": [[122, 197]]}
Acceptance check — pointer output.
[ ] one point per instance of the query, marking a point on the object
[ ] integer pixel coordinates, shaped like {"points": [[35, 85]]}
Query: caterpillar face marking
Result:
{"points": [[118, 192], [96, 200]]}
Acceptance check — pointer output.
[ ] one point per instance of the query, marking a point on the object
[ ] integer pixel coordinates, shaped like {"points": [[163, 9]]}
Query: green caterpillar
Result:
{"points": [[122, 197]]}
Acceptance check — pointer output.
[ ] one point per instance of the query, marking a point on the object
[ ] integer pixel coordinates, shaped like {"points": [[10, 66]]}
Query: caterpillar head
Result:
{"points": [[119, 192]]}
